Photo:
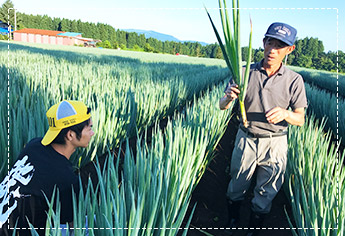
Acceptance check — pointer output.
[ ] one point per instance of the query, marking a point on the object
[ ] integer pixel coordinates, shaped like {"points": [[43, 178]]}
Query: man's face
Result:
{"points": [[275, 51], [86, 135]]}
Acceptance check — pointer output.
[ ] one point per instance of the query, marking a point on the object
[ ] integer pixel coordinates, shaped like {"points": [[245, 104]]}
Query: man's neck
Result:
{"points": [[271, 70], [65, 150]]}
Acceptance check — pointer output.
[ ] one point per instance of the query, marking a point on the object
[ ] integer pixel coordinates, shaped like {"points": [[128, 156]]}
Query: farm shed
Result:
{"points": [[48, 37]]}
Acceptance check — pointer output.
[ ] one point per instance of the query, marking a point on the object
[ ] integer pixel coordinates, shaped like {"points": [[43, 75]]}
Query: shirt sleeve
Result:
{"points": [[298, 94]]}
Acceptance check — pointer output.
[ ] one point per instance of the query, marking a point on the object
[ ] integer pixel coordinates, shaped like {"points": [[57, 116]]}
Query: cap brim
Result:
{"points": [[49, 136], [279, 38]]}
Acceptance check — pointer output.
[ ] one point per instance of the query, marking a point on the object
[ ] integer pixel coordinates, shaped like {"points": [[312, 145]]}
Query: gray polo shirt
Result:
{"points": [[284, 89]]}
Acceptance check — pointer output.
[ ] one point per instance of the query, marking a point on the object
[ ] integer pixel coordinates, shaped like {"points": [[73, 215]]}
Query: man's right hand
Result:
{"points": [[232, 92]]}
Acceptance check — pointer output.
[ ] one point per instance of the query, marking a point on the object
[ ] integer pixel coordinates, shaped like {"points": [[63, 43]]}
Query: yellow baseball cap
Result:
{"points": [[62, 115]]}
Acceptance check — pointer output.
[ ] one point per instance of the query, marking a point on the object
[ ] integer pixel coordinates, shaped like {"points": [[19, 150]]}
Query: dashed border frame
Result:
{"points": [[179, 9]]}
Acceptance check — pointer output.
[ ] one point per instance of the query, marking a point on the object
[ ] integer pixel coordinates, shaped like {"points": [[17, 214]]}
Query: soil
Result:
{"points": [[210, 214]]}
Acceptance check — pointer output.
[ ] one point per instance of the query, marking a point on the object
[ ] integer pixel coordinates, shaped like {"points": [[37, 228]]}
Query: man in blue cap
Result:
{"points": [[275, 98]]}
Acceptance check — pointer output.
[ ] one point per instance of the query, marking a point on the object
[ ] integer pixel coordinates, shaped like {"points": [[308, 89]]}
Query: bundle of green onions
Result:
{"points": [[232, 50]]}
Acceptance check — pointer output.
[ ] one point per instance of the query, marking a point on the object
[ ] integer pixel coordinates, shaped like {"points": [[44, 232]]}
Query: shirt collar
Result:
{"points": [[261, 68]]}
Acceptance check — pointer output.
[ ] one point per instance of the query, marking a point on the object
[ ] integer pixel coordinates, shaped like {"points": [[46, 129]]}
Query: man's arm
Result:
{"points": [[231, 93], [225, 102], [278, 114]]}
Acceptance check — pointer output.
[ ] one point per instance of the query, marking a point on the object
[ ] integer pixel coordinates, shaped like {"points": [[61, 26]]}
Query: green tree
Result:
{"points": [[115, 45], [123, 46], [219, 53], [137, 48], [7, 14], [74, 26], [245, 51], [106, 44], [132, 39], [148, 48], [46, 23], [103, 32], [304, 61], [207, 50], [121, 37], [56, 23], [142, 40], [64, 25], [258, 55]]}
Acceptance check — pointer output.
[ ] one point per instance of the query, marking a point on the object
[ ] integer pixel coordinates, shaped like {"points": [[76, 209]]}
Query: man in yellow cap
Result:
{"points": [[42, 166]]}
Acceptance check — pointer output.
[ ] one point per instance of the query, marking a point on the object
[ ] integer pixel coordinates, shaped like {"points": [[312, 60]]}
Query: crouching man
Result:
{"points": [[42, 166]]}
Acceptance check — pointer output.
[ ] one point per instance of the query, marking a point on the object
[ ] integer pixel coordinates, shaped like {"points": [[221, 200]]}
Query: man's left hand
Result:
{"points": [[276, 115]]}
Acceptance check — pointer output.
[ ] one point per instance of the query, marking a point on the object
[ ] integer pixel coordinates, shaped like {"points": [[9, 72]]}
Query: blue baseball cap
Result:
{"points": [[282, 32]]}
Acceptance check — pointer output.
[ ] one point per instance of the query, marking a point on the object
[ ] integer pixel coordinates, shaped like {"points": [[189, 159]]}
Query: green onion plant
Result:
{"points": [[315, 183], [126, 91], [231, 49]]}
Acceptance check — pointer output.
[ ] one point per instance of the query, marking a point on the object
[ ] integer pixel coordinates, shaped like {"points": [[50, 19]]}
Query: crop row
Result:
{"points": [[126, 94], [327, 106], [330, 81], [316, 181]]}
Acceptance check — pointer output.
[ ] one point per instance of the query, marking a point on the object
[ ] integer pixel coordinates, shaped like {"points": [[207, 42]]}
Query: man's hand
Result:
{"points": [[231, 93], [276, 115]]}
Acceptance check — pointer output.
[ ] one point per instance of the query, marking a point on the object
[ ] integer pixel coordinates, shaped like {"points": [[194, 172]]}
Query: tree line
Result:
{"points": [[309, 52]]}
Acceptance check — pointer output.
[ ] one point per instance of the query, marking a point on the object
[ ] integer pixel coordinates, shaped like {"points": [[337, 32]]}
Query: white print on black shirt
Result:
{"points": [[9, 188]]}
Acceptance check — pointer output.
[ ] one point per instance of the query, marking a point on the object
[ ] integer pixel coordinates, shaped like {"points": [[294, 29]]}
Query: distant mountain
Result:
{"points": [[160, 36]]}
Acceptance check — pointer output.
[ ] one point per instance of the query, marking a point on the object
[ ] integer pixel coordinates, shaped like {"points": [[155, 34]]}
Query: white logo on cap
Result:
{"points": [[281, 32]]}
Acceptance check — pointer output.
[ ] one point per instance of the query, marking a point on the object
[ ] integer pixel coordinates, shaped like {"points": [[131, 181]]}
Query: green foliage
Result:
{"points": [[123, 46], [245, 53], [148, 48], [127, 91], [3, 37], [115, 45], [303, 61], [105, 44], [316, 180], [7, 14], [327, 106], [258, 55], [232, 51], [137, 48], [4, 11]]}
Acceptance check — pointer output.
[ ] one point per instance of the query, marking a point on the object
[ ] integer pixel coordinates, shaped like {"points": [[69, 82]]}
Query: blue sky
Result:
{"points": [[187, 19]]}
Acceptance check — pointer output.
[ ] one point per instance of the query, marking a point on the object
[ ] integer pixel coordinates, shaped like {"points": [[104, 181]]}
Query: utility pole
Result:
{"points": [[15, 20]]}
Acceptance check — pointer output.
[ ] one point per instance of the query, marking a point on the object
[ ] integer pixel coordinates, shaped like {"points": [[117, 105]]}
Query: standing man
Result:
{"points": [[272, 90], [41, 167]]}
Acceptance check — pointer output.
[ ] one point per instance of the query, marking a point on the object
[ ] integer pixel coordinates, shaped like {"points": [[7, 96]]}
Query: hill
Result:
{"points": [[160, 36]]}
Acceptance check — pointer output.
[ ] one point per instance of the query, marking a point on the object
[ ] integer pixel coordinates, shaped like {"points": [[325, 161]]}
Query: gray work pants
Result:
{"points": [[268, 156]]}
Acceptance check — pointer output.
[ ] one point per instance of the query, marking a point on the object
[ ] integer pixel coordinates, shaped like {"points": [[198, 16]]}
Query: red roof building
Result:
{"points": [[48, 37]]}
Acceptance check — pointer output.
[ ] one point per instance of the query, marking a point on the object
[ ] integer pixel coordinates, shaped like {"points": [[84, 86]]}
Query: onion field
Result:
{"points": [[148, 192], [125, 93]]}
